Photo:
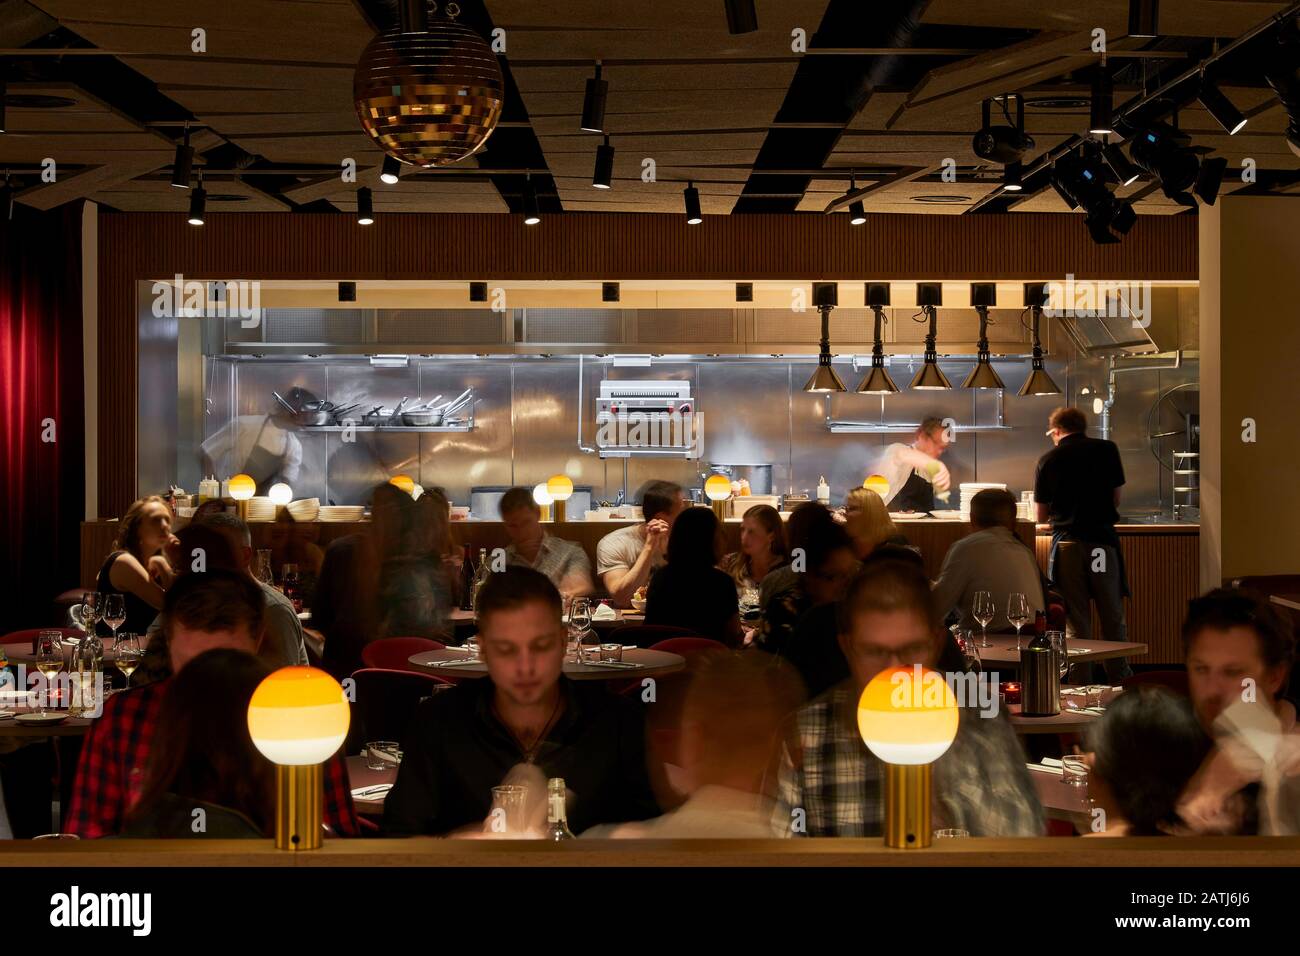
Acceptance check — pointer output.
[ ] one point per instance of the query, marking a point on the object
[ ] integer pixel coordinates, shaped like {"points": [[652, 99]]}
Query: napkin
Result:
{"points": [[6, 714], [369, 793], [604, 613]]}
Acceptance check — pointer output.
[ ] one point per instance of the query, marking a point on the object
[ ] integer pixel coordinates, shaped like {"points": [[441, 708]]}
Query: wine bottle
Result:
{"points": [[467, 579]]}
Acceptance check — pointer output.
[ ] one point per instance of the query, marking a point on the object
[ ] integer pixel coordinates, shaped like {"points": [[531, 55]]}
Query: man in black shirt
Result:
{"points": [[1077, 488], [464, 742]]}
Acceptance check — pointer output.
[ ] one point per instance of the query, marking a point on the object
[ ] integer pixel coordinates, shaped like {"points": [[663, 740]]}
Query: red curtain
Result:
{"points": [[42, 438]]}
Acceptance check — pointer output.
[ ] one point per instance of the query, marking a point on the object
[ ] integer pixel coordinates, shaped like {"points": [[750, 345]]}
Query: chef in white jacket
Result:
{"points": [[914, 471]]}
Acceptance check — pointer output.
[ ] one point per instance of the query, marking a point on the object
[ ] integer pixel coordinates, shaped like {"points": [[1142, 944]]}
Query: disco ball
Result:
{"points": [[429, 98]]}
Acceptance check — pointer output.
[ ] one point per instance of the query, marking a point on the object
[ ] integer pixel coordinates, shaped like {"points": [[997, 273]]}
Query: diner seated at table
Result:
{"points": [[689, 591], [991, 558], [830, 784], [202, 612], [1239, 650], [868, 523], [203, 758], [136, 568], [564, 562], [762, 548], [625, 558], [465, 741], [1145, 750], [414, 590], [345, 606]]}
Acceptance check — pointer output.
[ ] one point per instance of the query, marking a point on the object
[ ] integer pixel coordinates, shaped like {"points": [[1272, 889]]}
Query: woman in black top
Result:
{"points": [[689, 591], [136, 568]]}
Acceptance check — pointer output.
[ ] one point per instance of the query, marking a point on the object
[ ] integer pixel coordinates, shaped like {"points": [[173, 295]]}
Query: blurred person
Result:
{"points": [[914, 471], [731, 721], [265, 447], [1077, 488], [136, 568], [991, 558], [1145, 749], [625, 558], [414, 591], [689, 591], [1239, 650], [202, 756], [297, 542], [465, 741], [868, 523], [762, 548], [345, 608], [980, 784], [563, 562], [202, 612]]}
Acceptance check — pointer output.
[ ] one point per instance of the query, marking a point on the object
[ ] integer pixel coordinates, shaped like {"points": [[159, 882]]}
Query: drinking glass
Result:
{"points": [[951, 833], [982, 610], [289, 581], [262, 567], [471, 649], [127, 654], [509, 811], [612, 653], [1074, 770], [1094, 692], [1057, 640], [383, 754], [1018, 614], [114, 612], [580, 619], [970, 651], [749, 601], [49, 661]]}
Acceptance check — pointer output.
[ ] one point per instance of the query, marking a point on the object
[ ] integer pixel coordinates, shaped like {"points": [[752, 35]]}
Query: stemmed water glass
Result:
{"points": [[49, 661], [982, 610], [1018, 614], [579, 623], [114, 612]]}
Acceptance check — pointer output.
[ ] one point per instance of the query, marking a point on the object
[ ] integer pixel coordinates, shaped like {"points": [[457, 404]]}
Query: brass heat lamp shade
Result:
{"points": [[983, 375], [930, 376], [1039, 382], [877, 382], [825, 379]]}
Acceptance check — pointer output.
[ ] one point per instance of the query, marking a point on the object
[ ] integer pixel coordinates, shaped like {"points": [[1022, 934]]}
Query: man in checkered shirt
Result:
{"points": [[830, 784], [564, 562]]}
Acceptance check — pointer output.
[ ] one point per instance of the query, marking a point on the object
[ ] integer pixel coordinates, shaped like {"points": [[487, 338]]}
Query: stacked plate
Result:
{"points": [[335, 513], [261, 508], [970, 489], [304, 509]]}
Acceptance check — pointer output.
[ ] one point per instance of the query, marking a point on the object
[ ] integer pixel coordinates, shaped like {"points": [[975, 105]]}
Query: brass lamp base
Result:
{"points": [[241, 509], [558, 510], [907, 806], [546, 512], [720, 509], [299, 796]]}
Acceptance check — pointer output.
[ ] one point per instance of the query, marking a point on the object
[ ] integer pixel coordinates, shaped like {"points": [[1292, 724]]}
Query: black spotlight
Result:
{"points": [[744, 292], [1102, 108], [1124, 171], [692, 197], [391, 171], [1210, 178], [929, 294], [198, 203], [1143, 18], [183, 162], [1165, 153], [478, 291], [984, 295], [1011, 178], [593, 103], [877, 295], [531, 214], [1221, 108], [604, 174], [609, 292], [1081, 179], [826, 294], [1002, 144], [1282, 73], [365, 207], [741, 16], [857, 213], [347, 292]]}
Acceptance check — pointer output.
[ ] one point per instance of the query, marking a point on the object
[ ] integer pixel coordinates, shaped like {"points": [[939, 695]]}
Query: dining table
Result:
{"points": [[1002, 650], [456, 662], [1073, 718], [365, 783], [1060, 800], [459, 617]]}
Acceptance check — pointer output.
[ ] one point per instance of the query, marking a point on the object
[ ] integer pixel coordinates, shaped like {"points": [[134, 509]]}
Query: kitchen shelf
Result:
{"points": [[876, 428], [337, 429], [614, 451]]}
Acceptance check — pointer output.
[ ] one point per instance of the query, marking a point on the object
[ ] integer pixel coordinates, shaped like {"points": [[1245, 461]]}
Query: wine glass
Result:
{"points": [[127, 654], [580, 621], [1057, 640], [982, 611], [114, 612], [1018, 614], [970, 652], [49, 661], [289, 582]]}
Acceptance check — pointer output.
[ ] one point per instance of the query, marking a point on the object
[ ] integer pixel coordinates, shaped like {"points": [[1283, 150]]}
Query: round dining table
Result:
{"points": [[454, 662]]}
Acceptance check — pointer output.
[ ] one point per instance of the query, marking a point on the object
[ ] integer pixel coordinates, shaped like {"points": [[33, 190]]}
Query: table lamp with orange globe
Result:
{"points": [[405, 482], [907, 717], [298, 718], [877, 483], [544, 500], [717, 488], [560, 487], [242, 488]]}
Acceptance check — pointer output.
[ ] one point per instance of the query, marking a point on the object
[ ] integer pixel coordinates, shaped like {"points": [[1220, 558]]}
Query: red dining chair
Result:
{"points": [[1175, 681], [647, 635], [394, 653], [689, 647], [28, 636], [386, 700]]}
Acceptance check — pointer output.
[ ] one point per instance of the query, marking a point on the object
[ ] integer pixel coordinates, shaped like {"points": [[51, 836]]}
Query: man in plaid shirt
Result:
{"points": [[830, 784], [201, 612]]}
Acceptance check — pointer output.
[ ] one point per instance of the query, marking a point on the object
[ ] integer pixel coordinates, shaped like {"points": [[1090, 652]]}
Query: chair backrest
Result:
{"points": [[1173, 680], [386, 700], [393, 653], [689, 647], [646, 635], [28, 636]]}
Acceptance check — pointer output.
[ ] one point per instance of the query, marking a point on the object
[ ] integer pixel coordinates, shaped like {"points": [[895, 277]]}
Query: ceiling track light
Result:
{"points": [[391, 171], [1002, 144], [1038, 382], [741, 16], [593, 104], [929, 377], [198, 203], [1165, 152], [1210, 179], [877, 381], [983, 296], [1220, 107], [825, 379], [1144, 18], [1101, 111], [857, 213], [365, 207], [744, 292], [183, 162], [603, 176], [532, 216], [1119, 164], [1011, 178], [692, 197], [347, 292]]}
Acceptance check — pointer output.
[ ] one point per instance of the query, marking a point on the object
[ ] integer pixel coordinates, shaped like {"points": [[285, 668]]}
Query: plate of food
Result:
{"points": [[638, 599]]}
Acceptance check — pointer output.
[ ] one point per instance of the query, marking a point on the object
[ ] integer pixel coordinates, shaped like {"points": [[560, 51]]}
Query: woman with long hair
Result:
{"points": [[203, 758], [762, 547], [136, 568], [867, 520], [689, 591]]}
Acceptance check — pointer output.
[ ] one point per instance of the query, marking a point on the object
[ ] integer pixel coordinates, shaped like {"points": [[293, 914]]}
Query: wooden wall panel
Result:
{"points": [[147, 246]]}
